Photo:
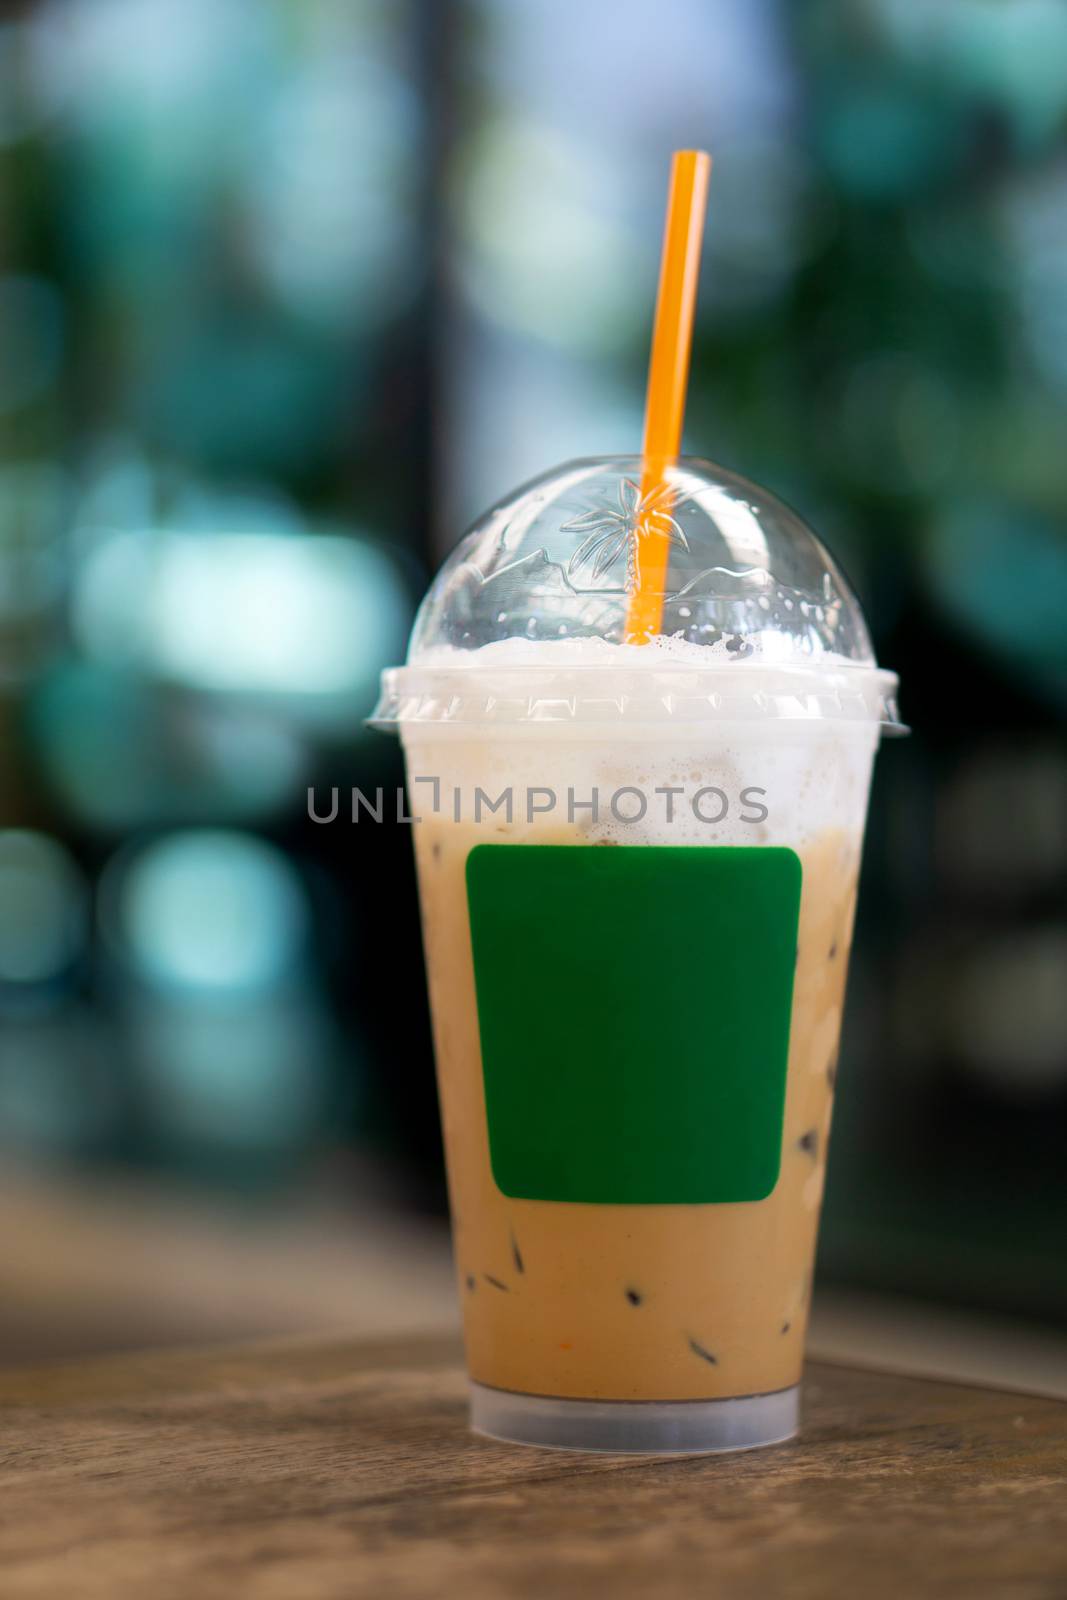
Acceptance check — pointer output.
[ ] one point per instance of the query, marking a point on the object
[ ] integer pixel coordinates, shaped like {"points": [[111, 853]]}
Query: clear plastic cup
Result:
{"points": [[637, 1046]]}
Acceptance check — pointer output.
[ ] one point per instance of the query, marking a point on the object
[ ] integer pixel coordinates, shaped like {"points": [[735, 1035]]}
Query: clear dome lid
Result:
{"points": [[542, 584]]}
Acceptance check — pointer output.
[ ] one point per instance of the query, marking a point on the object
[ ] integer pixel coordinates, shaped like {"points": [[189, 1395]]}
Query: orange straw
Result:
{"points": [[668, 375]]}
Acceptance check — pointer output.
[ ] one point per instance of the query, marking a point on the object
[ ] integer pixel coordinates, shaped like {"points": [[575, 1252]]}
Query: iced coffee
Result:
{"points": [[637, 871]]}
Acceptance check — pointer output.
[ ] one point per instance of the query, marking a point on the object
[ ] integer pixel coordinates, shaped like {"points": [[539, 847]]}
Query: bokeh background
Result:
{"points": [[289, 291]]}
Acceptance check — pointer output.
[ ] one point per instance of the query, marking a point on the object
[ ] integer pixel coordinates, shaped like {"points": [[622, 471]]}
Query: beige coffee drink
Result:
{"points": [[637, 872], [628, 1302]]}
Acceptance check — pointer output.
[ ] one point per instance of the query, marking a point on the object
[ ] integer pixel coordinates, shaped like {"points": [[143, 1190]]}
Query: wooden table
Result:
{"points": [[309, 1471]]}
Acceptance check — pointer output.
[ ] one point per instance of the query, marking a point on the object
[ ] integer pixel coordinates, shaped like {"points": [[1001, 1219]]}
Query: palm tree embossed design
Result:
{"points": [[614, 529]]}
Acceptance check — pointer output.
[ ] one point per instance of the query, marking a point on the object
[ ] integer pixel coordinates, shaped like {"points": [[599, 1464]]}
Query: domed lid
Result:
{"points": [[542, 584]]}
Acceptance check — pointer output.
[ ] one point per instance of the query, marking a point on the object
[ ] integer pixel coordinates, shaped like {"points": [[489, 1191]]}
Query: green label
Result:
{"points": [[634, 1005]]}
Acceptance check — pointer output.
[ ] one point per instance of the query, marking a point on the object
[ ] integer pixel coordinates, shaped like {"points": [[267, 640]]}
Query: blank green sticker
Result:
{"points": [[634, 1005]]}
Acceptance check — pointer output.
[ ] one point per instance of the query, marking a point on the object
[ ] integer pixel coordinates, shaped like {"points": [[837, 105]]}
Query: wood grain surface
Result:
{"points": [[306, 1471]]}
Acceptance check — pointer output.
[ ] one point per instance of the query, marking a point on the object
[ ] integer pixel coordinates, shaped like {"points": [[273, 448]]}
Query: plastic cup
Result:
{"points": [[637, 1045]]}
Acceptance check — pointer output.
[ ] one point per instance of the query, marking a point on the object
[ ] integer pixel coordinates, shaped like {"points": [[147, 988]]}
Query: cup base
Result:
{"points": [[636, 1427]]}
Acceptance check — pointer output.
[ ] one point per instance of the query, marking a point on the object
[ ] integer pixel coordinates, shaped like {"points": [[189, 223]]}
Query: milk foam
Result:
{"points": [[577, 715], [804, 786], [660, 651]]}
